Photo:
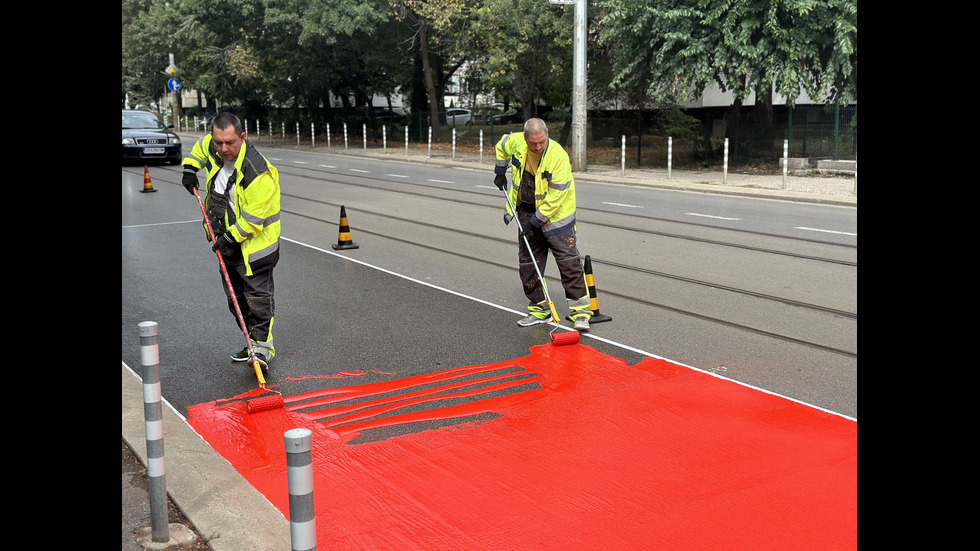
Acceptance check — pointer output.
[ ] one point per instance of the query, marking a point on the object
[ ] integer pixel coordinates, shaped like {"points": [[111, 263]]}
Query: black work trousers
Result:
{"points": [[562, 247], [256, 298]]}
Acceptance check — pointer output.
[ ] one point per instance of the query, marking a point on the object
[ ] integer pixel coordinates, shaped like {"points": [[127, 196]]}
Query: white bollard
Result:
{"points": [[364, 134], [785, 160], [328, 135], [312, 135], [481, 146], [406, 141], [724, 177], [622, 157], [345, 136], [670, 154], [384, 138], [270, 131], [454, 141], [153, 413], [430, 142], [299, 467], [283, 125], [297, 133]]}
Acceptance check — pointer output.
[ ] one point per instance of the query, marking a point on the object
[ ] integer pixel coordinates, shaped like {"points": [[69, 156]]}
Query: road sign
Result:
{"points": [[173, 84]]}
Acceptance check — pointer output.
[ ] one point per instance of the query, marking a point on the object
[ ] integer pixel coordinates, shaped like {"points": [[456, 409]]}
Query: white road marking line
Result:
{"points": [[623, 205], [328, 166], [359, 170], [710, 216], [397, 175], [826, 231], [440, 181]]}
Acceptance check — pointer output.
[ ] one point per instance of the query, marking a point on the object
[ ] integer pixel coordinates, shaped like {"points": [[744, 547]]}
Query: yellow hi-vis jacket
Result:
{"points": [[257, 226], [554, 186]]}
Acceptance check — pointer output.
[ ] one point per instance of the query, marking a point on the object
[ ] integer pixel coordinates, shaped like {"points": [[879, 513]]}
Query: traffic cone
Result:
{"points": [[593, 298], [343, 239], [147, 184]]}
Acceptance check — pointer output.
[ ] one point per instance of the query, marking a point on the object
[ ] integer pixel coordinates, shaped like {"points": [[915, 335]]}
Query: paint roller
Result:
{"points": [[560, 339]]}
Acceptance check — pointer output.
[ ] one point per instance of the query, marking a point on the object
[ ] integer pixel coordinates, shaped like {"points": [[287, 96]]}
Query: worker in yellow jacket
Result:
{"points": [[242, 203], [543, 193]]}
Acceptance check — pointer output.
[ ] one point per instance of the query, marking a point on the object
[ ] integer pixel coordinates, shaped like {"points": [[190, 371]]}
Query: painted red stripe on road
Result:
{"points": [[597, 455]]}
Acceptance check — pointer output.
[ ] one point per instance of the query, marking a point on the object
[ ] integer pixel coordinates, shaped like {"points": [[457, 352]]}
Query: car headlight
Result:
{"points": [[129, 141], [174, 140]]}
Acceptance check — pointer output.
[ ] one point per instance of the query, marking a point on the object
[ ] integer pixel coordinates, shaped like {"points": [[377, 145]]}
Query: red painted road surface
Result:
{"points": [[585, 453]]}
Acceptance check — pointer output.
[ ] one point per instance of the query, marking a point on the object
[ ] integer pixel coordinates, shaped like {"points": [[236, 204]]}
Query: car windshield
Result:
{"points": [[141, 120]]}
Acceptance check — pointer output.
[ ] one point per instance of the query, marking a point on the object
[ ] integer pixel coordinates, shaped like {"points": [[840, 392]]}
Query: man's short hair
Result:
{"points": [[224, 120], [535, 126]]}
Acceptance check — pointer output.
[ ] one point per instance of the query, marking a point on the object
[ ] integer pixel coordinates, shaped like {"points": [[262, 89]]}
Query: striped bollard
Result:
{"points": [[622, 161], [153, 415], [593, 297], [299, 467]]}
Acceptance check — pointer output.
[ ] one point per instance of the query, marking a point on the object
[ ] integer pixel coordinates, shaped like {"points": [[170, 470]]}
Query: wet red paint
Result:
{"points": [[591, 454]]}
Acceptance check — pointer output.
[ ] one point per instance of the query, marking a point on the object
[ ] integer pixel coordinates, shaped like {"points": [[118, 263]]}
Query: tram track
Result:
{"points": [[423, 190]]}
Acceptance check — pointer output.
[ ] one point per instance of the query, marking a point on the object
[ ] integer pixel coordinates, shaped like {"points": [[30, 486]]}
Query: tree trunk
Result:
{"points": [[430, 85]]}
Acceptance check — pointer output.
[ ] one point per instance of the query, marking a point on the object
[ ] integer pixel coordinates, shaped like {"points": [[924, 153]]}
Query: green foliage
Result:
{"points": [[676, 48]]}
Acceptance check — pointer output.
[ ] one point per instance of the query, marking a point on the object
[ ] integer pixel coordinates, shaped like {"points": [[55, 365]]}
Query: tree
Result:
{"points": [[676, 48], [528, 50], [440, 34]]}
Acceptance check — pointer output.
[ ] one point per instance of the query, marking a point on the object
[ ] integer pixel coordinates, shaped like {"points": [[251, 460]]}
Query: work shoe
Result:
{"points": [[581, 324], [240, 356], [530, 320]]}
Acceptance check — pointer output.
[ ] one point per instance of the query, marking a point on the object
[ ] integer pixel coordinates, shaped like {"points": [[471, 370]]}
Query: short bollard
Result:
{"points": [[299, 467], [153, 414]]}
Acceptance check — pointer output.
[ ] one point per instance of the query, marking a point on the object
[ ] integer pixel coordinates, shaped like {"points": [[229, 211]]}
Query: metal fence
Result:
{"points": [[636, 139]]}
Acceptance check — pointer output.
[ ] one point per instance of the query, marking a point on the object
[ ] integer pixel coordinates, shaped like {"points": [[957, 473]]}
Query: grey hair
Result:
{"points": [[535, 126]]}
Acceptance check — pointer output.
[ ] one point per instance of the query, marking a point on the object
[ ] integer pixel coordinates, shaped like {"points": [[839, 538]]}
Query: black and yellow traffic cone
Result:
{"points": [[343, 240], [593, 298], [147, 184]]}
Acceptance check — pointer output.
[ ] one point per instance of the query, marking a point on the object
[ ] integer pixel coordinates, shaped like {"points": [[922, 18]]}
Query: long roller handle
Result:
{"points": [[231, 292]]}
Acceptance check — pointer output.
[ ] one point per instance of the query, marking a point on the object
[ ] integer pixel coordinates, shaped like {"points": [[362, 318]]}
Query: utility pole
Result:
{"points": [[579, 122]]}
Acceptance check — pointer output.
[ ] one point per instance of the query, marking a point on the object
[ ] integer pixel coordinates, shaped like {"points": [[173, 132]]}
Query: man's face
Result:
{"points": [[536, 142], [228, 142]]}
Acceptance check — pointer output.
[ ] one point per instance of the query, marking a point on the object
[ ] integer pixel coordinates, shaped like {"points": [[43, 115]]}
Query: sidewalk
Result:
{"points": [[830, 189]]}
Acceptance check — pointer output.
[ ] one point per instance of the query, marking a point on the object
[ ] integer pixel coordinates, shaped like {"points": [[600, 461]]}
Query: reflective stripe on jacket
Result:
{"points": [[554, 186], [256, 226]]}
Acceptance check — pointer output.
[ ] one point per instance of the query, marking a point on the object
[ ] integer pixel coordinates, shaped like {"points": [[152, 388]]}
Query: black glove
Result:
{"points": [[190, 181], [500, 181], [225, 244]]}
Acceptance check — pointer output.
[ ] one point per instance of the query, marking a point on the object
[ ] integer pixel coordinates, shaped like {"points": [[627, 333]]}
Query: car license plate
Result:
{"points": [[153, 150]]}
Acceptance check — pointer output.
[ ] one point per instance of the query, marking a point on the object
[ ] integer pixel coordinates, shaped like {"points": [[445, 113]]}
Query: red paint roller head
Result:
{"points": [[568, 337], [265, 403]]}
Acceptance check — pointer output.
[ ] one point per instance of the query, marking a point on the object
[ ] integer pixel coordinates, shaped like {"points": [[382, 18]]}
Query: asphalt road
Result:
{"points": [[436, 285], [428, 290]]}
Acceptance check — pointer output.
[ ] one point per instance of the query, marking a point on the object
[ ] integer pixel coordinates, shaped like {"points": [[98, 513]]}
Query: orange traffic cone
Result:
{"points": [[343, 239], [593, 298], [147, 184]]}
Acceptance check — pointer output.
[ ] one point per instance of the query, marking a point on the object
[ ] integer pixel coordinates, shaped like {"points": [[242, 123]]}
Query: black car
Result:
{"points": [[146, 138]]}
